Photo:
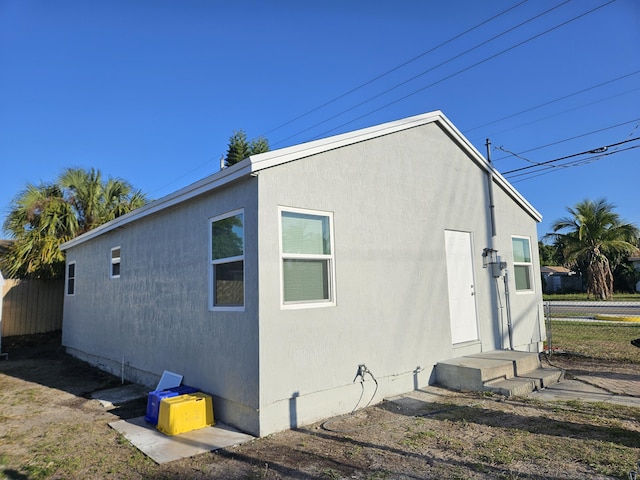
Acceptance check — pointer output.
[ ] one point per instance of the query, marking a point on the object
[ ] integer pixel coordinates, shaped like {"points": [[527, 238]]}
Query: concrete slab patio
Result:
{"points": [[114, 397], [159, 447], [163, 448]]}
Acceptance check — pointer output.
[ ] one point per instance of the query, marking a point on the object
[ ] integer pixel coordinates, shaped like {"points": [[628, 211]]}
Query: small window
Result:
{"points": [[115, 262], [522, 265], [307, 258], [227, 262], [71, 278]]}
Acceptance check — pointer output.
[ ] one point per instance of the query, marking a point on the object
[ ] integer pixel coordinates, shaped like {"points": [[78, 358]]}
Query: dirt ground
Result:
{"points": [[51, 429]]}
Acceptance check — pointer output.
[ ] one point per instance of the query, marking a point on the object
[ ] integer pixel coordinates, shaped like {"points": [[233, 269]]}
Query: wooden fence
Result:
{"points": [[31, 306]]}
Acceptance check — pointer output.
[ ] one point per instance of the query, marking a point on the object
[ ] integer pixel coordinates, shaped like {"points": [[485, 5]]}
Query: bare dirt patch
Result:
{"points": [[51, 429]]}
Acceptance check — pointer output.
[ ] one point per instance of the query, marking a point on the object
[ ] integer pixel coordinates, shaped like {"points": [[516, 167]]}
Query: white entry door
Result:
{"points": [[461, 283]]}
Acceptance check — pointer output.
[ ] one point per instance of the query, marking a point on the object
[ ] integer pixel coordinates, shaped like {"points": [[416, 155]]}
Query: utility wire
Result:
{"points": [[491, 57], [382, 75], [572, 138], [565, 111], [522, 158], [384, 92], [586, 161], [596, 150], [552, 101]]}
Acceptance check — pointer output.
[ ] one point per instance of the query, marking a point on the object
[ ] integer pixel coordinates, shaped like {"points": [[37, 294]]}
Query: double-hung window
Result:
{"points": [[227, 261], [115, 262], [522, 265], [307, 258], [71, 278]]}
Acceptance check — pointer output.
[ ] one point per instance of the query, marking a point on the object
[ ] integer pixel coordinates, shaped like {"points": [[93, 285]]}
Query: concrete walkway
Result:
{"points": [[584, 392], [617, 388]]}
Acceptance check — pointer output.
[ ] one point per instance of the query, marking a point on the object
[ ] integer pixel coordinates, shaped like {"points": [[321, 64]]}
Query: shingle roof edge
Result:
{"points": [[274, 158]]}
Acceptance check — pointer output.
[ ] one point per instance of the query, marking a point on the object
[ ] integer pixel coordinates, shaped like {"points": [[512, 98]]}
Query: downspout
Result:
{"points": [[508, 305]]}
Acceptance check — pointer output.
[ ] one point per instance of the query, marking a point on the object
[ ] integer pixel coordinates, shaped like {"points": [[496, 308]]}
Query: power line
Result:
{"points": [[567, 111], [521, 157], [382, 75], [583, 162], [384, 92], [471, 66], [593, 150], [569, 139], [553, 101]]}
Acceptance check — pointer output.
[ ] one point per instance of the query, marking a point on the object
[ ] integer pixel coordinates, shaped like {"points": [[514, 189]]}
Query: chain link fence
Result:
{"points": [[600, 330]]}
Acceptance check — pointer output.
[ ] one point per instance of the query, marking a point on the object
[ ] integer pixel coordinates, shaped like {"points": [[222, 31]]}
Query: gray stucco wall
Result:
{"points": [[155, 317], [392, 199], [269, 368]]}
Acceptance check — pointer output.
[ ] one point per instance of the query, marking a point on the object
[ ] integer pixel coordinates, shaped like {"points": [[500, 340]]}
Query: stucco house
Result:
{"points": [[556, 278], [271, 284]]}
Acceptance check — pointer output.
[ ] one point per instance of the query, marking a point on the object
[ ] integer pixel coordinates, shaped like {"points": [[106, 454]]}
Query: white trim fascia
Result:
{"points": [[296, 152], [255, 163], [485, 165]]}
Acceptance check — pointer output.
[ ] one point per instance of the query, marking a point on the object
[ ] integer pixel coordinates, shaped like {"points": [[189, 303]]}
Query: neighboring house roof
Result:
{"points": [[635, 256], [555, 270], [253, 164]]}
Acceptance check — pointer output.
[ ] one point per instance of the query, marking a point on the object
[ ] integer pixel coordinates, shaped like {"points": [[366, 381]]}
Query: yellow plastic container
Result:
{"points": [[185, 413]]}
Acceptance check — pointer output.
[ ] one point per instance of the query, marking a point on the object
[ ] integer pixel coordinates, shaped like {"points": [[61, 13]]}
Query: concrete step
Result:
{"points": [[512, 386], [469, 373], [504, 371], [523, 362], [524, 385], [546, 376]]}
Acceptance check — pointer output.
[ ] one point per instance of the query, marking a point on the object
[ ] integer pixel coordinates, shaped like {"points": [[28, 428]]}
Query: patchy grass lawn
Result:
{"points": [[50, 429], [601, 340]]}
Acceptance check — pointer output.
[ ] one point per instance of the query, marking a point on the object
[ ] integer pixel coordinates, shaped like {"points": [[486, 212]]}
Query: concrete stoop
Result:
{"points": [[507, 372]]}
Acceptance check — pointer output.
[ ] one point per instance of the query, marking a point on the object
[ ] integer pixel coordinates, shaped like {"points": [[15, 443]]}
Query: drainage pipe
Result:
{"points": [[508, 305]]}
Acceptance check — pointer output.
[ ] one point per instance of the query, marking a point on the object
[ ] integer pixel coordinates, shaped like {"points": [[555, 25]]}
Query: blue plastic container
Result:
{"points": [[155, 397]]}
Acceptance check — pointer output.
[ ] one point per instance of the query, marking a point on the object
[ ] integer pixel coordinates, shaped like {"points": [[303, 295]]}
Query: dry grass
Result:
{"points": [[49, 429]]}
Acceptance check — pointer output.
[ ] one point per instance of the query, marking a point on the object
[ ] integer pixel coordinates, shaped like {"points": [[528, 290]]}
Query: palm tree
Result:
{"points": [[44, 216], [95, 201], [592, 236]]}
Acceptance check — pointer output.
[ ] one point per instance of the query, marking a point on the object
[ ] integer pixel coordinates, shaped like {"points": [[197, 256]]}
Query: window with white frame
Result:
{"points": [[115, 262], [307, 258], [227, 261], [522, 265], [71, 278]]}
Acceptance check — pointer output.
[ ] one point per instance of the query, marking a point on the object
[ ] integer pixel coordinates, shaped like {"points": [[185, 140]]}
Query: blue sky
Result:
{"points": [[151, 90]]}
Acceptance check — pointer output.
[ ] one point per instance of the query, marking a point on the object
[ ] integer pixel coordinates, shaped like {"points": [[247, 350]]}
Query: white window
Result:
{"points": [[306, 250], [522, 266], [115, 262], [227, 262], [71, 278]]}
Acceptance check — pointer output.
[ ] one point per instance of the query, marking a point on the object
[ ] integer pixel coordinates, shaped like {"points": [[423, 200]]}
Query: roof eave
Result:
{"points": [[212, 182], [274, 158]]}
